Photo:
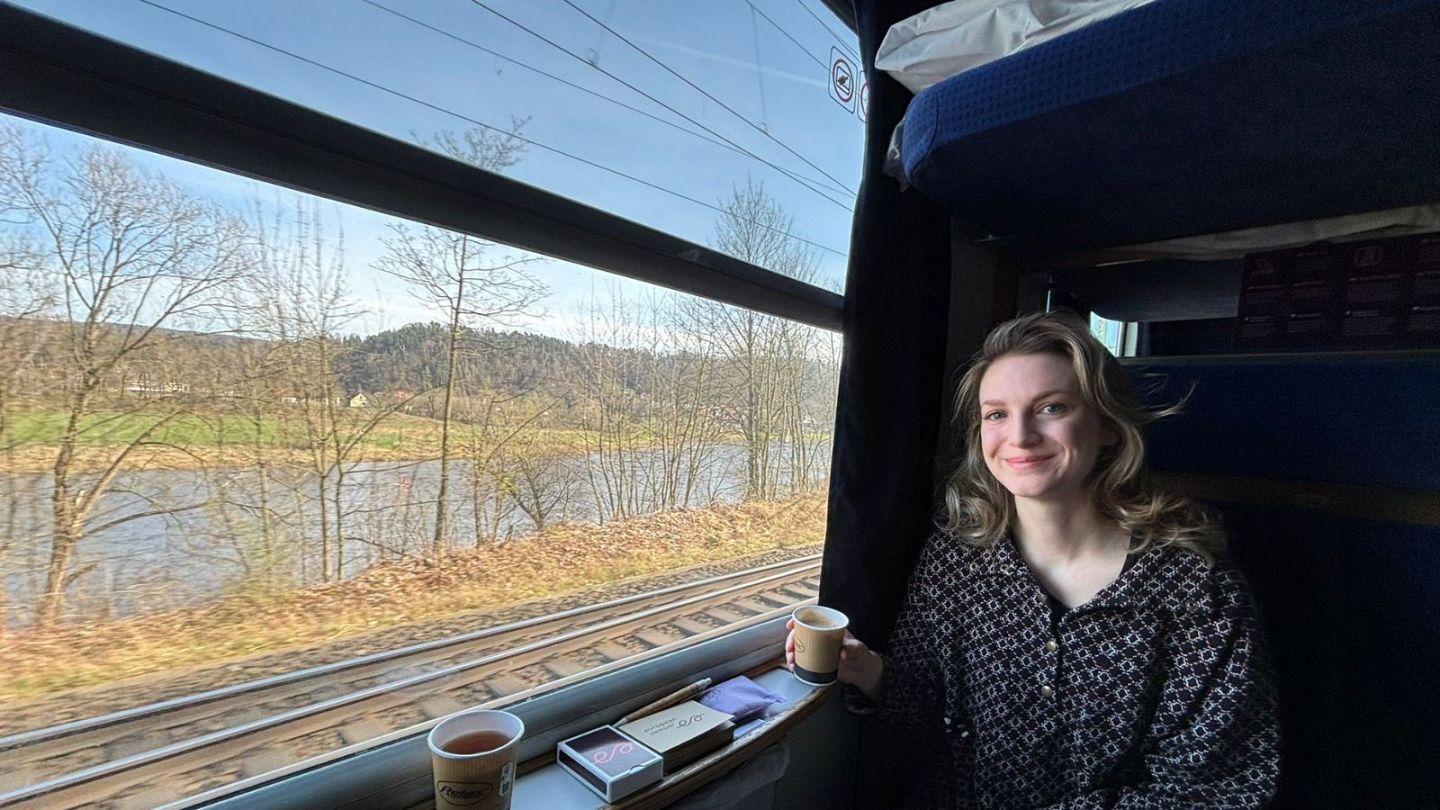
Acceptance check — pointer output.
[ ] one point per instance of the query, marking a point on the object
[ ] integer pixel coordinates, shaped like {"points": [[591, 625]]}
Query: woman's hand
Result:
{"points": [[859, 665]]}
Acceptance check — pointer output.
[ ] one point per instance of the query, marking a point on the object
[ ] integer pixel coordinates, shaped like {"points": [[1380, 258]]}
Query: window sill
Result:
{"points": [[550, 787], [397, 774]]}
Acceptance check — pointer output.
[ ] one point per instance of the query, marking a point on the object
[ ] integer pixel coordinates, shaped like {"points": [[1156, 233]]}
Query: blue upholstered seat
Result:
{"points": [[1350, 596], [1369, 422]]}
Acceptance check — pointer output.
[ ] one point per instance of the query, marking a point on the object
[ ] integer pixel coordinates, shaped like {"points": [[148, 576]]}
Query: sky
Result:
{"points": [[699, 97]]}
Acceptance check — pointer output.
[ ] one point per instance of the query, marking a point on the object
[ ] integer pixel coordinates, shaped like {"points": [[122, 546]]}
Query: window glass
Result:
{"points": [[245, 432], [655, 111], [1118, 336]]}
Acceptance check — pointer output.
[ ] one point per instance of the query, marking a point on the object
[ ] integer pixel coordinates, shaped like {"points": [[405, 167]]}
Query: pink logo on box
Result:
{"points": [[609, 752]]}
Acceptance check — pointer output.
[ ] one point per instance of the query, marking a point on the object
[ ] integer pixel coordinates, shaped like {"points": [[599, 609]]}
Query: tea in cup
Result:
{"points": [[473, 755]]}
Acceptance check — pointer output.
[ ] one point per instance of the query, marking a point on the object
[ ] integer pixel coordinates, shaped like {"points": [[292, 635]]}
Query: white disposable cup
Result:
{"points": [[483, 781]]}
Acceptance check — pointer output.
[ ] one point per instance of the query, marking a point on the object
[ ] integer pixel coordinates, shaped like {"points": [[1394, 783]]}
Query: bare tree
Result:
{"points": [[25, 295], [301, 301], [258, 518], [133, 257], [609, 363], [766, 356], [649, 389], [260, 369], [494, 422], [456, 273], [685, 383], [531, 475]]}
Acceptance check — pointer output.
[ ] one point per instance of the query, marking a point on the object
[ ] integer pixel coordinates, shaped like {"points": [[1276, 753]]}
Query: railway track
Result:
{"points": [[150, 755]]}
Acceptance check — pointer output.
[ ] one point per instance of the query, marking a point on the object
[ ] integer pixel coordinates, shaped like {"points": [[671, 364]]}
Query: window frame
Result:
{"points": [[58, 74]]}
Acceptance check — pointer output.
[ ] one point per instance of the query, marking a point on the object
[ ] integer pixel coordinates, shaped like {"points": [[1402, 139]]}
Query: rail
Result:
{"points": [[243, 730]]}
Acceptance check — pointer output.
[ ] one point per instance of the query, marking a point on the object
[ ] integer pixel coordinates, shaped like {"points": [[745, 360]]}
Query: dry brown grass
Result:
{"points": [[560, 560]]}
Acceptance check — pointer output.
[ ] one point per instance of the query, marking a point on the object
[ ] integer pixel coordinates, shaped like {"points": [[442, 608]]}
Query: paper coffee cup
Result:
{"points": [[473, 756], [819, 631]]}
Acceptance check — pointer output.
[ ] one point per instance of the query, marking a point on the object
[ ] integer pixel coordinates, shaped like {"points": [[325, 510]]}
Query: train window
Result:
{"points": [[1118, 336], [634, 108], [271, 459]]}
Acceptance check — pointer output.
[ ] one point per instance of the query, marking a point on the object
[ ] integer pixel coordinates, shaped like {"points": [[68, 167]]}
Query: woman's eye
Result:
{"points": [[1053, 408], [993, 416]]}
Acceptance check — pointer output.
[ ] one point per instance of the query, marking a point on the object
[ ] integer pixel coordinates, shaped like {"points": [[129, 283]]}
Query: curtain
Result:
{"points": [[882, 504]]}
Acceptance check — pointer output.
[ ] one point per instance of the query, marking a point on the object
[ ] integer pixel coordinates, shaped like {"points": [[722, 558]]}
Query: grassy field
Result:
{"points": [[561, 560], [107, 429], [191, 440], [195, 440]]}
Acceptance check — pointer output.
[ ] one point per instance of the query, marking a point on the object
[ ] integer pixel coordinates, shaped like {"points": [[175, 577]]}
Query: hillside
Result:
{"points": [[413, 358]]}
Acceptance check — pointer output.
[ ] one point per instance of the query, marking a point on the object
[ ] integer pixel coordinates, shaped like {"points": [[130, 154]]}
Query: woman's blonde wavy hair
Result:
{"points": [[980, 511]]}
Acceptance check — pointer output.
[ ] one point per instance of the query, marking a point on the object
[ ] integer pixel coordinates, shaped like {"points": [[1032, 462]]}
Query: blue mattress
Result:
{"points": [[1185, 117]]}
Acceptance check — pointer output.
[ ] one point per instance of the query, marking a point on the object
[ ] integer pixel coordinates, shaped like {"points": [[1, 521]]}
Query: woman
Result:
{"points": [[1071, 638]]}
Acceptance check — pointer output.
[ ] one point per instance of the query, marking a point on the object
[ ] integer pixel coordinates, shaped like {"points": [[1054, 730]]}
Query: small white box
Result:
{"points": [[609, 763]]}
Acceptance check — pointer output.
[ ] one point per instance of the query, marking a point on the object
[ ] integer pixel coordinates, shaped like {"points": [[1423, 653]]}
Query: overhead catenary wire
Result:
{"points": [[759, 73], [838, 186], [713, 137], [838, 39], [561, 79], [702, 91], [817, 60], [482, 124]]}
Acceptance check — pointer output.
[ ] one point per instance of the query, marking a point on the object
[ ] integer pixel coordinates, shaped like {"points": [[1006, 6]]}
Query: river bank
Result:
{"points": [[561, 561], [226, 442]]}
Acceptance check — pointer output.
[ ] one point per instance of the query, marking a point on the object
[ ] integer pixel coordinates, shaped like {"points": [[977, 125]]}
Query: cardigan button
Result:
{"points": [[1046, 691], [1051, 646]]}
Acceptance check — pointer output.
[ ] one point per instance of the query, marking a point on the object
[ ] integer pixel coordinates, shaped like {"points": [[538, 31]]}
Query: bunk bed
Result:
{"points": [[1185, 118], [1188, 117]]}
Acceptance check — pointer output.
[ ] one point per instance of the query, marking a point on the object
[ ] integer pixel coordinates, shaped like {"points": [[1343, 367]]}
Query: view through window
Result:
{"points": [[347, 465], [1118, 336]]}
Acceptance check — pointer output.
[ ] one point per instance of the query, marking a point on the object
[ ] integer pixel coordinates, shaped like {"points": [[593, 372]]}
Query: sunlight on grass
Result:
{"points": [[560, 560], [221, 441]]}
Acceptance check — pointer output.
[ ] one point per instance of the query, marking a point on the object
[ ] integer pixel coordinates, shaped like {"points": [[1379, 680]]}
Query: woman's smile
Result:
{"points": [[1039, 438]]}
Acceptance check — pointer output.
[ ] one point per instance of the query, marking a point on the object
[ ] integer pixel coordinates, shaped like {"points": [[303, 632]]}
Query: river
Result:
{"points": [[218, 532]]}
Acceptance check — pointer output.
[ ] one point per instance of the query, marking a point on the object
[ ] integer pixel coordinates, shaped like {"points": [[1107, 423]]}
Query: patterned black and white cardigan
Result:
{"points": [[1156, 693]]}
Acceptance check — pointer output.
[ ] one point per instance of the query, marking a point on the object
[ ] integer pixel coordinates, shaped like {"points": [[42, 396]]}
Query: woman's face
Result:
{"points": [[1039, 437]]}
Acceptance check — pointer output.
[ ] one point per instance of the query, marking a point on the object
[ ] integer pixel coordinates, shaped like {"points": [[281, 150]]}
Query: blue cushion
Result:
{"points": [[1369, 422], [1350, 603], [1185, 117], [1352, 613]]}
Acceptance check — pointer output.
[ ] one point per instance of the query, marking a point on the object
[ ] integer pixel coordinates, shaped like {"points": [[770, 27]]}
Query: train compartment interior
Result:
{"points": [[1248, 185]]}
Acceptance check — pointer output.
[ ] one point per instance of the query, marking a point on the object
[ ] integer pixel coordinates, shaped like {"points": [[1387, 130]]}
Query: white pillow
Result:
{"points": [[953, 37]]}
